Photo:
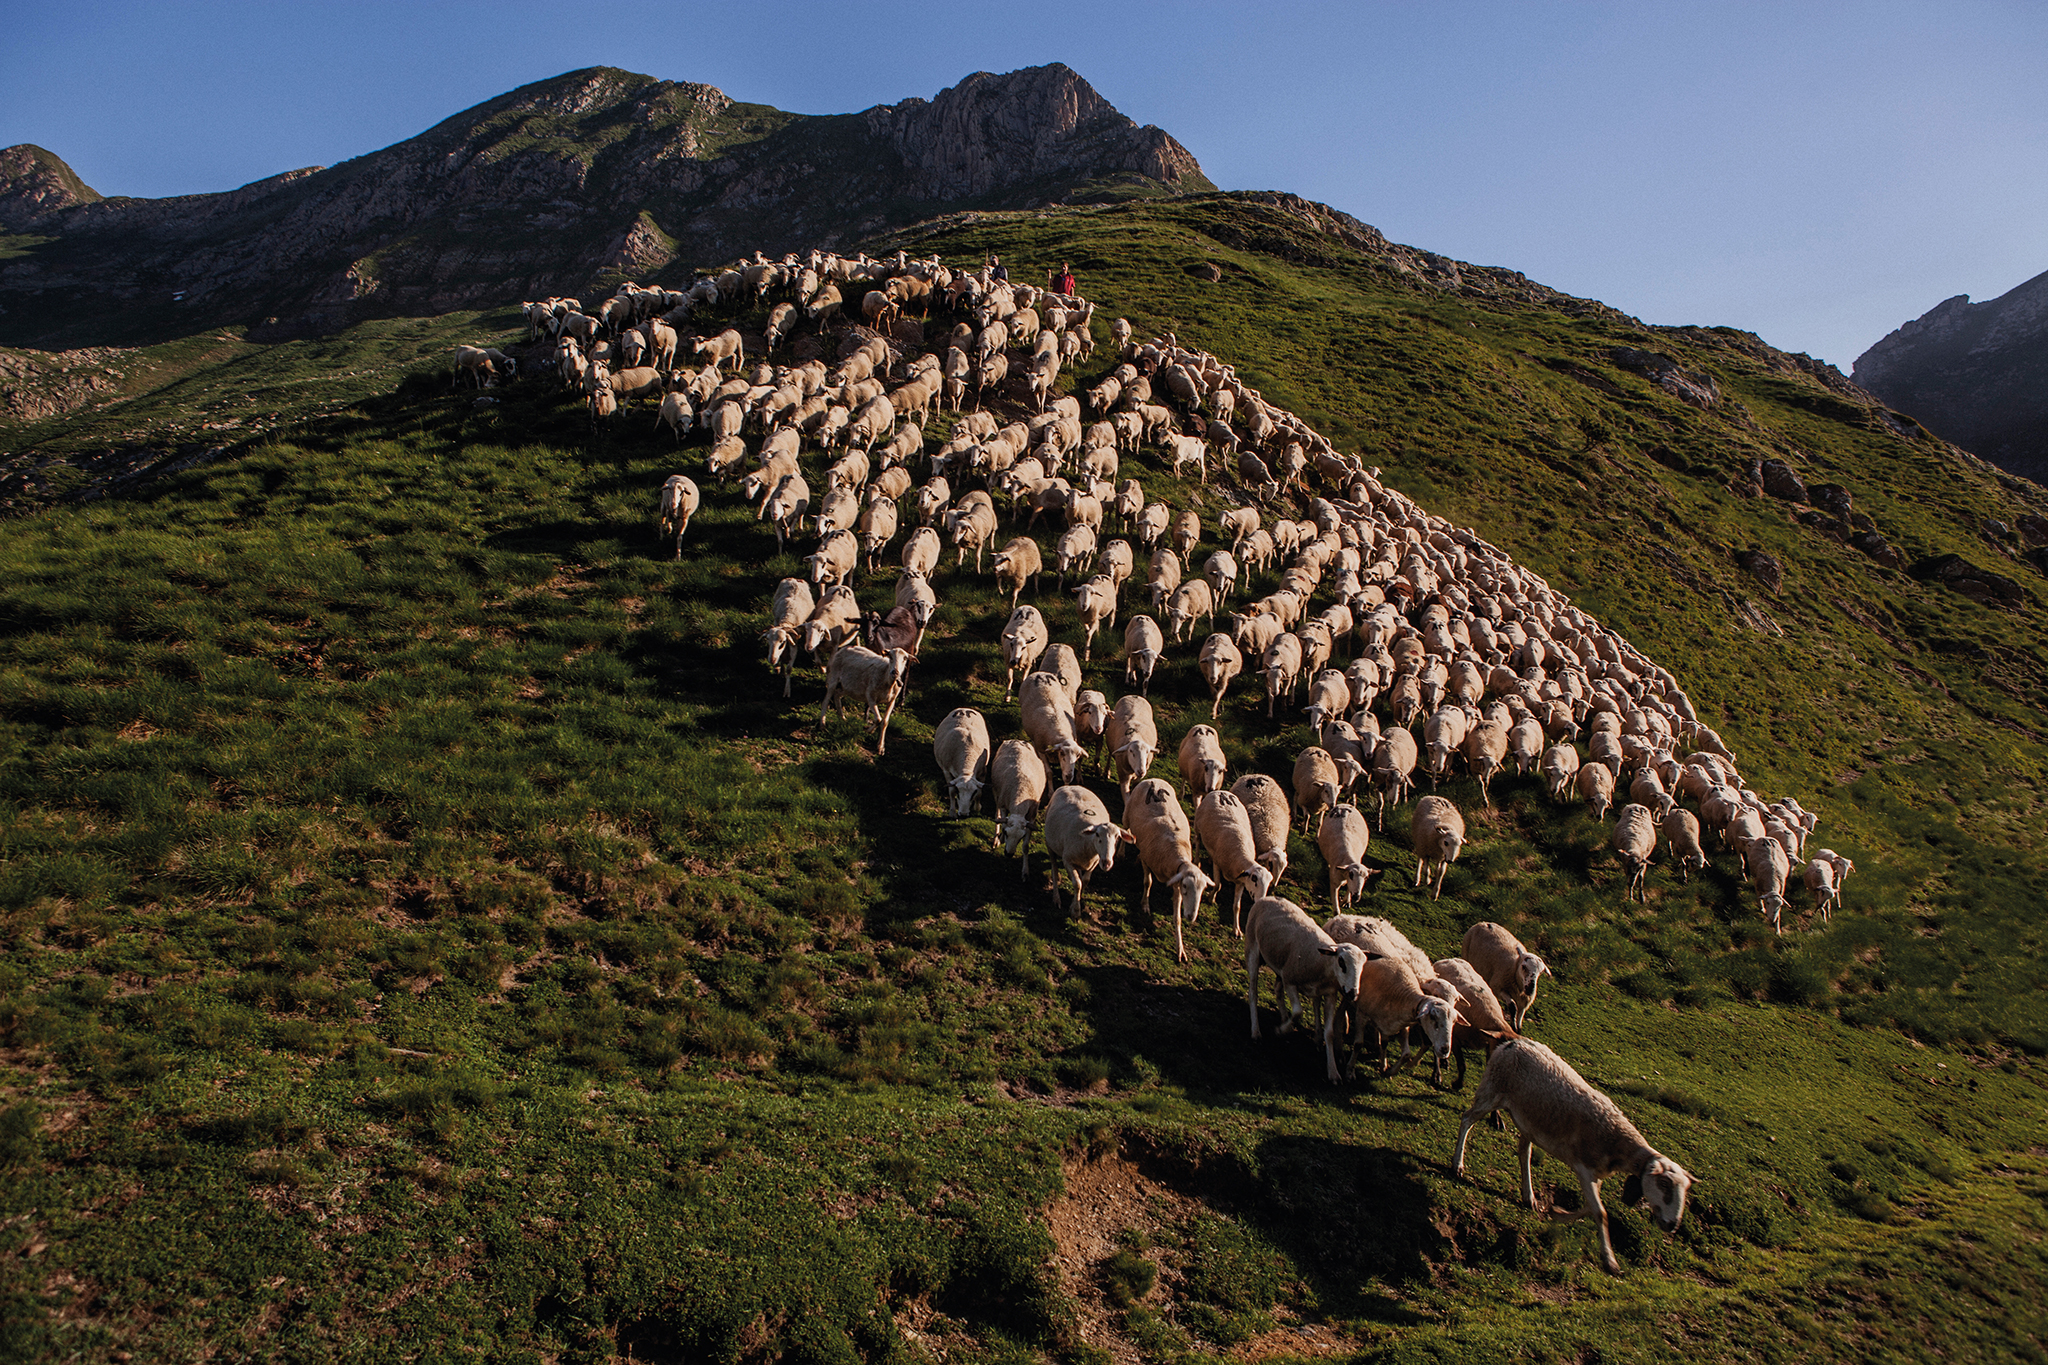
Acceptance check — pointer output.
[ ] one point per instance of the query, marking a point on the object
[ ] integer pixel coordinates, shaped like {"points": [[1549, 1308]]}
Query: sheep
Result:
{"points": [[921, 552], [1485, 1020], [1438, 834], [961, 746], [1682, 832], [1393, 770], [1151, 524], [1342, 838], [1024, 639], [875, 527], [1486, 748], [1634, 840], [1164, 577], [1391, 998], [1219, 662], [1091, 719], [1132, 738], [1074, 553], [1047, 716], [1019, 780], [786, 507], [914, 593], [1554, 1108], [676, 414], [833, 622], [1843, 867], [1281, 668], [1220, 570], [1525, 745], [1154, 819], [834, 558], [1560, 766], [1272, 819], [873, 679], [1764, 859], [1016, 565], [1329, 695], [1191, 599], [1081, 840], [1510, 969], [1280, 934], [1143, 644], [1059, 660], [972, 524], [1096, 599], [679, 501], [1225, 828], [1596, 784], [721, 348], [1319, 781], [792, 608], [1819, 876], [1202, 764]]}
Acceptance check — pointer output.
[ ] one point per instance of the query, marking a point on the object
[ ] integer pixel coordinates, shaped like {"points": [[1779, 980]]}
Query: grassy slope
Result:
{"points": [[415, 896]]}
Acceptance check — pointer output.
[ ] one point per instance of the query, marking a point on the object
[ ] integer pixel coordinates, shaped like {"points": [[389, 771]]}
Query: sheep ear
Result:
{"points": [[1327, 952], [1125, 835], [1632, 1192]]}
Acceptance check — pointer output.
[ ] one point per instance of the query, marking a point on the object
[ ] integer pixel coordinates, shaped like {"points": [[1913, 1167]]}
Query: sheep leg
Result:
{"points": [[1292, 994], [1251, 984], [1527, 1156], [882, 744]]}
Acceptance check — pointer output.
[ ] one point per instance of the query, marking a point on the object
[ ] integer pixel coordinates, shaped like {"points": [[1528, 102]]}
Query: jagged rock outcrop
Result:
{"points": [[1975, 373], [591, 175]]}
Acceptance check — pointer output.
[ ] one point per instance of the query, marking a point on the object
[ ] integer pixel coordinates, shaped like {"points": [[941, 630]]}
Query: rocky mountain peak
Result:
{"points": [[35, 183]]}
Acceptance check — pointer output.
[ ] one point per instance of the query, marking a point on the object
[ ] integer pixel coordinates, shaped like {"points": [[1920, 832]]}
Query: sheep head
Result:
{"points": [[1069, 755], [1437, 1020], [964, 790], [1662, 1185], [1351, 961]]}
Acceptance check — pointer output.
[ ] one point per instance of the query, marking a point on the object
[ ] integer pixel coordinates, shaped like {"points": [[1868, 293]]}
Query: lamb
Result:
{"points": [[1438, 834], [1143, 644], [1560, 766], [1272, 819], [1510, 969], [961, 746], [1081, 839], [1764, 859], [1634, 840], [1133, 739], [1225, 828], [1485, 1021], [792, 608], [1682, 833], [1154, 819], [679, 501], [1596, 784], [1202, 764], [1342, 838], [875, 680], [1019, 778], [1024, 639], [1280, 933], [1016, 564], [1555, 1109], [1047, 716], [1219, 662]]}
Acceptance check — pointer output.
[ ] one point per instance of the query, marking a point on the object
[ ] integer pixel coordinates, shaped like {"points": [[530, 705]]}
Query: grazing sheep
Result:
{"points": [[792, 607], [1024, 639], [1512, 970], [1819, 876], [1763, 858], [1081, 839], [834, 558], [1682, 832], [1343, 838], [1281, 668], [1225, 829], [1596, 784], [1554, 1108], [1219, 662], [1155, 821], [1560, 766], [1439, 834], [875, 680], [1525, 745], [1634, 840], [1486, 1021], [1019, 778], [1091, 719], [786, 507], [1096, 599], [1319, 781], [1144, 642], [1133, 739], [1016, 565], [1191, 599], [1272, 818], [1391, 1000], [1486, 748], [1280, 934], [1393, 770], [1164, 577], [971, 525], [1202, 764], [679, 501], [1047, 715], [1059, 661], [1220, 571], [961, 746]]}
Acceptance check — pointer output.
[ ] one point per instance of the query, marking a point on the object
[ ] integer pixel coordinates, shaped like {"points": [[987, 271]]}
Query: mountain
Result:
{"points": [[596, 174], [1977, 373]]}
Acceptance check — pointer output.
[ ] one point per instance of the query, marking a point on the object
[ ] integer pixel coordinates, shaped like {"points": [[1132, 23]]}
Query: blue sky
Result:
{"points": [[1816, 172]]}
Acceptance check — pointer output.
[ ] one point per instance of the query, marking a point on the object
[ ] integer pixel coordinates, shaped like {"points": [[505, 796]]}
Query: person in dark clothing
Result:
{"points": [[997, 270]]}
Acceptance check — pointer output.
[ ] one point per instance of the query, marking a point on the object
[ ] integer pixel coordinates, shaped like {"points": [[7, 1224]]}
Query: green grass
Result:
{"points": [[415, 893]]}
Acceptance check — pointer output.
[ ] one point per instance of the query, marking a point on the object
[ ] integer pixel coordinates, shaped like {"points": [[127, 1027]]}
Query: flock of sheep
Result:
{"points": [[1459, 659]]}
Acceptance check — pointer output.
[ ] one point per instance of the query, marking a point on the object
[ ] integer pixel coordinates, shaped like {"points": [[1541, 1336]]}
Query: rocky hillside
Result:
{"points": [[1977, 373], [596, 173]]}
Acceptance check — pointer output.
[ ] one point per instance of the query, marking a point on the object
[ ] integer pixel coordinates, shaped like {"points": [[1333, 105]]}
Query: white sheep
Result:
{"points": [[1512, 970], [961, 745], [1219, 662], [679, 502], [1016, 565], [1596, 784], [1682, 832], [1096, 599], [1081, 839], [1763, 858], [1486, 1020], [1271, 817], [1024, 639], [1225, 829], [1560, 766], [1393, 769], [1280, 934], [1047, 715], [1391, 1001], [1132, 737], [1439, 834], [1019, 778], [1634, 841], [792, 607], [1144, 642], [1554, 1108], [874, 680], [1156, 823], [1342, 839], [1202, 764]]}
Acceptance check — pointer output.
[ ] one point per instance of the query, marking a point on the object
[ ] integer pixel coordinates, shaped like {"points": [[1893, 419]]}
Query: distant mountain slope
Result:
{"points": [[1975, 372], [595, 172]]}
